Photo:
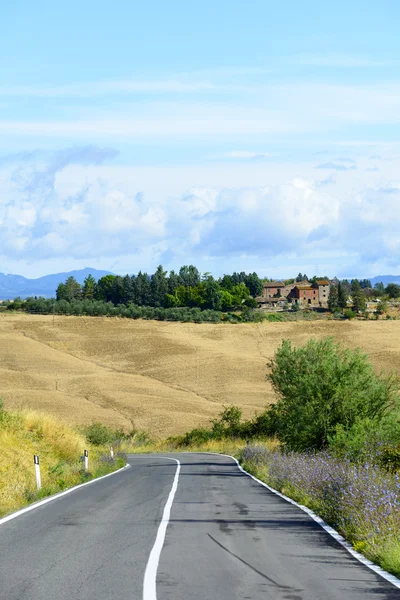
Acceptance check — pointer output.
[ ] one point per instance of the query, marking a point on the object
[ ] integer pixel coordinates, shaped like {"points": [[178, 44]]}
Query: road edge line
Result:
{"points": [[332, 532], [150, 574], [22, 511]]}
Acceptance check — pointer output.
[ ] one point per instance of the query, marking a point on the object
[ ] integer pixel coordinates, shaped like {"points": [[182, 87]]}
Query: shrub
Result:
{"points": [[349, 313], [322, 386], [99, 434]]}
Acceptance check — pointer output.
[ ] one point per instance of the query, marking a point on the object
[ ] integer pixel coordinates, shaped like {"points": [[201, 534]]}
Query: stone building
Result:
{"points": [[276, 293]]}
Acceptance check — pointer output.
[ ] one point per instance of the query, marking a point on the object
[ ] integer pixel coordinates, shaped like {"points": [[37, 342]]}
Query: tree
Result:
{"points": [[189, 276], [89, 288], [117, 290], [392, 290], [254, 284], [300, 277], [322, 386], [342, 296], [212, 294], [333, 302], [61, 292], [127, 290], [346, 285], [226, 282], [226, 300], [173, 282], [142, 290], [239, 294], [365, 283], [358, 296], [69, 290], [159, 287], [104, 288], [379, 289]]}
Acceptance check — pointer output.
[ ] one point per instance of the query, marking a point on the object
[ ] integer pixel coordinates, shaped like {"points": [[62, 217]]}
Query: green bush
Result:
{"points": [[349, 313], [323, 387], [99, 434], [363, 441]]}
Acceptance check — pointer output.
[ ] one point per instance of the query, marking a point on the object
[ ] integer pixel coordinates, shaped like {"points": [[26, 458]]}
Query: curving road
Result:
{"points": [[227, 538]]}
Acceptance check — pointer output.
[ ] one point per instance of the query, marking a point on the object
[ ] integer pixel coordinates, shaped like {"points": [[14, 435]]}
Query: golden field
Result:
{"points": [[161, 377]]}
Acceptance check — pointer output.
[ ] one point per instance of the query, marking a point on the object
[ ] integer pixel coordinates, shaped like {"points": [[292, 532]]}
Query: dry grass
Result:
{"points": [[165, 378], [27, 433]]}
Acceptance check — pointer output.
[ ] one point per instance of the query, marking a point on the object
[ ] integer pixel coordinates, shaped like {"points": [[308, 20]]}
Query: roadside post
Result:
{"points": [[86, 457], [111, 452], [37, 471]]}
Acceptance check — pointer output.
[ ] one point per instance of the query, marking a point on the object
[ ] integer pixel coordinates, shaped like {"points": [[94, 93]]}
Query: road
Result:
{"points": [[227, 538]]}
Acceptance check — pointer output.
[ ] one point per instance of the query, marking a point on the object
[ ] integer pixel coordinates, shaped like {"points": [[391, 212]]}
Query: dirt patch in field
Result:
{"points": [[162, 377]]}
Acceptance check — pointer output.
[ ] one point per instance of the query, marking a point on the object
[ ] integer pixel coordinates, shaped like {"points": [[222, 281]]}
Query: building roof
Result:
{"points": [[323, 282], [305, 287], [274, 284]]}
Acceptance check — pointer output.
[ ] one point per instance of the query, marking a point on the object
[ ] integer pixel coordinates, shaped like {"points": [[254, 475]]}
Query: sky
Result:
{"points": [[256, 136]]}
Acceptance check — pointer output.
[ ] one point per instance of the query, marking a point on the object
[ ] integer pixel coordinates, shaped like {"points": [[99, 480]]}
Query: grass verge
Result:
{"points": [[25, 433]]}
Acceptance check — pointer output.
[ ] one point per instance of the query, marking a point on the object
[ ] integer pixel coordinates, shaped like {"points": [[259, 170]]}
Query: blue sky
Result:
{"points": [[236, 136]]}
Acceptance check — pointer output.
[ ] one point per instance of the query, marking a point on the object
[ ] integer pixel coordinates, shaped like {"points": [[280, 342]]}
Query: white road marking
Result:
{"points": [[55, 496], [150, 575]]}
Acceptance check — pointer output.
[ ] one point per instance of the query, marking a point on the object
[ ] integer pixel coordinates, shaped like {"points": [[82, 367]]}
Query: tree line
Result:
{"points": [[360, 291], [187, 288]]}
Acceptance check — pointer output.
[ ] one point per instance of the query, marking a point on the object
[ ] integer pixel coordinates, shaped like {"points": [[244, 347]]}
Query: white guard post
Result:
{"points": [[37, 471], [86, 456], [111, 452]]}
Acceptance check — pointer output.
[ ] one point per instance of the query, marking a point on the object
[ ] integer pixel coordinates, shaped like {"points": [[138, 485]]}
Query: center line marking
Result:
{"points": [[150, 575]]}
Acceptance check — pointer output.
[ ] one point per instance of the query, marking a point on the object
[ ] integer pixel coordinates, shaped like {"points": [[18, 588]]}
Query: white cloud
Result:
{"points": [[117, 220]]}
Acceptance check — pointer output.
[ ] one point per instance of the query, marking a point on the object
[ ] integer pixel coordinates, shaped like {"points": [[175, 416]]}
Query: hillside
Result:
{"points": [[385, 279], [25, 433], [159, 376], [12, 286]]}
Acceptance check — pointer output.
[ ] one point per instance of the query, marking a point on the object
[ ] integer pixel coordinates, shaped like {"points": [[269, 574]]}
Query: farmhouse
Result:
{"points": [[276, 293], [273, 289]]}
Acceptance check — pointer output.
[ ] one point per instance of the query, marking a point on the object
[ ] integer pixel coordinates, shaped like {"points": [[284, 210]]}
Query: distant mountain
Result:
{"points": [[12, 286], [385, 279]]}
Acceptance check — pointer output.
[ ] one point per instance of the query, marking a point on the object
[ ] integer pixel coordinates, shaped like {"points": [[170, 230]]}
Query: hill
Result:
{"points": [[162, 377], [12, 286], [385, 279]]}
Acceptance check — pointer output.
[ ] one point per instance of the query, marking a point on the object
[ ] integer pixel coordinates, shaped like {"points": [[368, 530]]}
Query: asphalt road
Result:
{"points": [[227, 538]]}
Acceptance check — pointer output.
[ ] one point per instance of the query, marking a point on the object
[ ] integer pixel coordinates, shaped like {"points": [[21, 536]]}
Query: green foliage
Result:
{"points": [[99, 434], [342, 296], [393, 290], [69, 290], [89, 288], [333, 300], [229, 425], [365, 438], [349, 314], [381, 308], [358, 296], [379, 289], [104, 288], [322, 386]]}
